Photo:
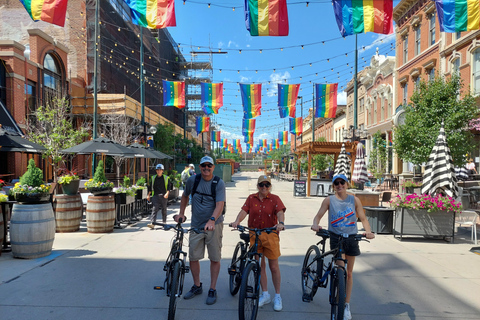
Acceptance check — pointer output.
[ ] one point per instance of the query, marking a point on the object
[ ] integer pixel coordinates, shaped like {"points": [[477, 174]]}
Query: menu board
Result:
{"points": [[299, 188]]}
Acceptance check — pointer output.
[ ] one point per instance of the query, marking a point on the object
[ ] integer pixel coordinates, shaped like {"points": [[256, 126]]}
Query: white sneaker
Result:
{"points": [[347, 315], [277, 303], [264, 299]]}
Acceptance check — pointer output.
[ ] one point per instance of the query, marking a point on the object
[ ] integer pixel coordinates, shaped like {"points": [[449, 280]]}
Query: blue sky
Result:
{"points": [[326, 57]]}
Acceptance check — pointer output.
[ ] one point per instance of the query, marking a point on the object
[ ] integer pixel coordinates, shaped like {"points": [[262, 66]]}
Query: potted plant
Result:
{"points": [[125, 194], [31, 187], [99, 185], [175, 180], [70, 183], [425, 215], [410, 186], [32, 224], [3, 197], [140, 189]]}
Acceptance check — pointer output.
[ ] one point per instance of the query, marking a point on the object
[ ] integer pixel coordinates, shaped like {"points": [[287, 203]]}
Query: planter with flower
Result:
{"points": [[140, 189], [125, 194], [412, 186], [32, 224], [70, 183], [99, 185], [425, 215], [174, 179]]}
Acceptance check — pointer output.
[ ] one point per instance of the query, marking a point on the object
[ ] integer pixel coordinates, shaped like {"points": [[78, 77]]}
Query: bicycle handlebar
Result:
{"points": [[256, 230], [178, 226], [326, 234]]}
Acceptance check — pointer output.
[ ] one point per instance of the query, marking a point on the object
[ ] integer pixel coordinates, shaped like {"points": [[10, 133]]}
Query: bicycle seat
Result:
{"points": [[323, 233], [245, 237]]}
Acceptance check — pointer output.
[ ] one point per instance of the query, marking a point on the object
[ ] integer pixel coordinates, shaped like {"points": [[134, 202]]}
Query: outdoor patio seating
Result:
{"points": [[469, 219]]}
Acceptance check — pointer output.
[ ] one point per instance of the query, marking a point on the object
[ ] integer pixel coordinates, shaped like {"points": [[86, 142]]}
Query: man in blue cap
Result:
{"points": [[158, 191]]}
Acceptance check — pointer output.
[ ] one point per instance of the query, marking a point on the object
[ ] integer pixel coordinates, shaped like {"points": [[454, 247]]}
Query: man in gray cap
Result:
{"points": [[158, 190], [208, 200]]}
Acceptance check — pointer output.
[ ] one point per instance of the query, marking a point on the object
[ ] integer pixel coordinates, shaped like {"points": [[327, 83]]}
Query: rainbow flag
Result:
{"points": [[251, 100], [153, 14], [326, 100], [51, 11], [283, 137], [203, 124], [212, 97], [236, 144], [296, 126], [248, 138], [216, 136], [224, 143], [266, 17], [358, 16], [458, 15], [287, 99], [174, 94], [248, 126]]}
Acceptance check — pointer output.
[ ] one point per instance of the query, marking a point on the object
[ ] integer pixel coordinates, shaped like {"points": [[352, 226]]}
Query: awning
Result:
{"points": [[8, 123]]}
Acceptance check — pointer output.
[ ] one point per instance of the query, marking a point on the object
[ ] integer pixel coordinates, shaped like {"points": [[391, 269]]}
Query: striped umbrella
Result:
{"points": [[439, 174], [461, 173], [360, 173], [343, 163]]}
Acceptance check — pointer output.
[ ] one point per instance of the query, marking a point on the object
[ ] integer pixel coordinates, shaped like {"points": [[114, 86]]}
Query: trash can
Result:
{"points": [[380, 219]]}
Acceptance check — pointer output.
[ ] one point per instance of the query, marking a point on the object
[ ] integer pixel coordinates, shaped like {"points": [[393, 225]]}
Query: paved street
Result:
{"points": [[111, 276]]}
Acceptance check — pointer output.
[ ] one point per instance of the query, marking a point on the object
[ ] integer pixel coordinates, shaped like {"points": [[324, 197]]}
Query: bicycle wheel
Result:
{"points": [[337, 293], [311, 271], [172, 306], [249, 292], [236, 268]]}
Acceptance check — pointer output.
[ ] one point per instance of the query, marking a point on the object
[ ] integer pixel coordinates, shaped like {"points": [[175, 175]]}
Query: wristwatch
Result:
{"points": [[282, 223], [212, 218]]}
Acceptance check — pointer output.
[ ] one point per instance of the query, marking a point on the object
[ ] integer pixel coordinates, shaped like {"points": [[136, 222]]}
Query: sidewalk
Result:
{"points": [[106, 276]]}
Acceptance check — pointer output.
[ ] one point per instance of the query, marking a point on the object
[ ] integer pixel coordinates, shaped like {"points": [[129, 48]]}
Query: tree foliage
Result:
{"points": [[432, 102], [51, 126], [378, 155]]}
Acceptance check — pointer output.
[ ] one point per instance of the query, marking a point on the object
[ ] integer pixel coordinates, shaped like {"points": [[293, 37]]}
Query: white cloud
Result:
{"points": [[275, 79], [379, 40], [341, 98], [244, 79], [232, 44]]}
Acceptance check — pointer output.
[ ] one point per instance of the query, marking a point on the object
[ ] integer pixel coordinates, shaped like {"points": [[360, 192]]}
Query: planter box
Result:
{"points": [[123, 198], [71, 189], [419, 222], [380, 219], [141, 194], [173, 195]]}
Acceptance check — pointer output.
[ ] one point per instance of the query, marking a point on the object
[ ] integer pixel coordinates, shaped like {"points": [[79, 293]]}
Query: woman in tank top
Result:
{"points": [[343, 209]]}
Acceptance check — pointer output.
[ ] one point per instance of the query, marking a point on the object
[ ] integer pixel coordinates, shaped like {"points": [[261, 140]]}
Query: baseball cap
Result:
{"points": [[159, 166], [191, 165], [340, 176], [206, 159], [264, 178]]}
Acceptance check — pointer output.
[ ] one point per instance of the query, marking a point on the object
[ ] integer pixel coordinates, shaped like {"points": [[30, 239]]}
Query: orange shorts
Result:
{"points": [[268, 244]]}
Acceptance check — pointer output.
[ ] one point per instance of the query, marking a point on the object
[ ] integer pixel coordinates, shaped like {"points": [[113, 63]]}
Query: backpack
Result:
{"points": [[185, 176], [213, 191]]}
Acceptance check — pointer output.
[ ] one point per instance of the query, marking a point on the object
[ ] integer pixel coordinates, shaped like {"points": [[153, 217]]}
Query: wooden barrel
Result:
{"points": [[100, 213], [32, 230], [68, 212]]}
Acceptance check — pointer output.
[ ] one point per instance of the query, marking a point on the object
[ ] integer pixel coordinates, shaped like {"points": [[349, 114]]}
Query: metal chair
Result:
{"points": [[318, 190], [468, 218], [386, 196]]}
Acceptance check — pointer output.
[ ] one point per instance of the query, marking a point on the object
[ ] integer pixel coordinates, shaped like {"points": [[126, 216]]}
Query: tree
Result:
{"points": [[432, 102], [322, 161], [378, 156], [165, 137], [51, 126]]}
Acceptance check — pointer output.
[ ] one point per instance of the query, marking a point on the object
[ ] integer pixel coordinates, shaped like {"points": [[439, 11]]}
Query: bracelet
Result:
{"points": [[282, 223]]}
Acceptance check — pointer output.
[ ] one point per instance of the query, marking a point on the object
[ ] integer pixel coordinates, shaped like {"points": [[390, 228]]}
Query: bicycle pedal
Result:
{"points": [[232, 271], [307, 298], [158, 288], [187, 269]]}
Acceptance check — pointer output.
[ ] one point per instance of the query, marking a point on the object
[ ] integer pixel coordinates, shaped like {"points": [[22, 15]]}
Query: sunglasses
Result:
{"points": [[264, 185], [342, 182], [203, 165]]}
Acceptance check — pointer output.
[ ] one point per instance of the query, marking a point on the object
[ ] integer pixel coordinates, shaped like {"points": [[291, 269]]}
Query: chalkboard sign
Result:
{"points": [[299, 188]]}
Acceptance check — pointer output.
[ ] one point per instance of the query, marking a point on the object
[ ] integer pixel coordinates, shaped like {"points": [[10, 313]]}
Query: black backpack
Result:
{"points": [[213, 191]]}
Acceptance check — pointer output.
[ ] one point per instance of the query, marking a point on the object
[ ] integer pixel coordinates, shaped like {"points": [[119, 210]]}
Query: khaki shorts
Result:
{"points": [[268, 244], [211, 239]]}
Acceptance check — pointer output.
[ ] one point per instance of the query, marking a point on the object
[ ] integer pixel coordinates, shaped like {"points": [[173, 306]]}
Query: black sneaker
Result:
{"points": [[195, 291], [212, 296]]}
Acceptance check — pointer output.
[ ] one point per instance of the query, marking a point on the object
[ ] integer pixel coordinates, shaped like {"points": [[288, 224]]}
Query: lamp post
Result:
{"points": [[353, 134]]}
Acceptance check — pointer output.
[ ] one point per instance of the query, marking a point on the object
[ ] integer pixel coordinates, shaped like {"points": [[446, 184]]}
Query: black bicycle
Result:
{"points": [[245, 272], [316, 272], [175, 266]]}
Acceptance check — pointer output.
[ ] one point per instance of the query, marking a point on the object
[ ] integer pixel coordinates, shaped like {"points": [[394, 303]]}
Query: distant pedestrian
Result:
{"points": [[342, 210], [266, 210], [471, 167], [208, 200], [158, 190], [192, 169], [185, 175]]}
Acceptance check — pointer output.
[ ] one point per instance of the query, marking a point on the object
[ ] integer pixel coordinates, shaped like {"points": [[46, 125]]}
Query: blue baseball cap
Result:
{"points": [[340, 176], [159, 166]]}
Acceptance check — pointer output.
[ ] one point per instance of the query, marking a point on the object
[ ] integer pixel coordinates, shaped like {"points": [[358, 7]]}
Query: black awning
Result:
{"points": [[8, 123]]}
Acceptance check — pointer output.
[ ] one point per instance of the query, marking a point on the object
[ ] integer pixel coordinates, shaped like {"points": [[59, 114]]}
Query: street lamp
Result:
{"points": [[353, 134], [152, 130]]}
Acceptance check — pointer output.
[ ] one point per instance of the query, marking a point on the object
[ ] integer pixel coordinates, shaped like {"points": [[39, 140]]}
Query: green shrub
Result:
{"points": [[141, 181], [99, 174], [126, 182], [33, 177]]}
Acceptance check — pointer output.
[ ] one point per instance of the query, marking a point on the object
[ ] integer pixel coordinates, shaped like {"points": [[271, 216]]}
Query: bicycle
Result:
{"points": [[245, 273], [175, 266], [315, 272]]}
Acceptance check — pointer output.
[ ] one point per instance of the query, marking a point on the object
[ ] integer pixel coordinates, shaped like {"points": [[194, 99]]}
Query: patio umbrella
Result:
{"points": [[142, 152], [160, 154], [15, 143], [461, 173], [440, 173], [100, 145], [360, 173], [343, 163]]}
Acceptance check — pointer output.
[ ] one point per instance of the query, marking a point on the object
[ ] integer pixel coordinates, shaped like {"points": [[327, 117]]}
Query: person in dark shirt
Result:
{"points": [[158, 190]]}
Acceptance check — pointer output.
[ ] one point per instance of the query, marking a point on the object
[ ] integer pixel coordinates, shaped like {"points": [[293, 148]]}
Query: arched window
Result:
{"points": [[52, 75], [476, 71]]}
